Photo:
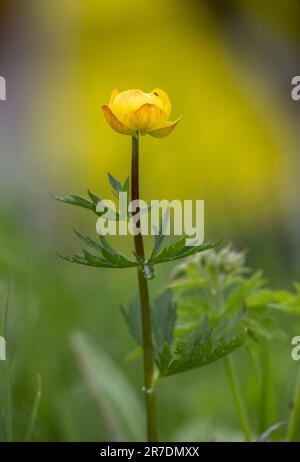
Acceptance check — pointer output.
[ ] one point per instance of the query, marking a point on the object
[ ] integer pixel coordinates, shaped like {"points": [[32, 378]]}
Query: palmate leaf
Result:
{"points": [[79, 201], [117, 186], [158, 241], [163, 314], [160, 234], [177, 251], [219, 282], [88, 260], [263, 325], [108, 258], [88, 240], [281, 300], [87, 204], [163, 319], [203, 346], [95, 199], [174, 251], [132, 316]]}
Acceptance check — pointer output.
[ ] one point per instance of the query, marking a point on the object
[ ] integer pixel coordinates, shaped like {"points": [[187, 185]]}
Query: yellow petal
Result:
{"points": [[164, 100], [165, 130], [114, 93], [115, 123], [129, 100], [147, 117]]}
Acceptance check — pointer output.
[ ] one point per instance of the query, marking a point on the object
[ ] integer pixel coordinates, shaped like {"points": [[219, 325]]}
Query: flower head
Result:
{"points": [[133, 111]]}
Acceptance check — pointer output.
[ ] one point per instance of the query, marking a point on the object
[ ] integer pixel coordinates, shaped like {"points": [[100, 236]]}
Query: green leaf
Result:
{"points": [[125, 187], [163, 319], [265, 436], [262, 324], [158, 241], [281, 300], [116, 185], [87, 260], [179, 250], [164, 359], [96, 199], [219, 282], [205, 345], [105, 245], [109, 258], [118, 260], [110, 389], [35, 410], [160, 235], [88, 240], [133, 320], [134, 354], [79, 201], [163, 316]]}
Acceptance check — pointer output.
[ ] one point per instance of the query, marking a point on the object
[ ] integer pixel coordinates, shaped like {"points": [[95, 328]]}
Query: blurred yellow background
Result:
{"points": [[235, 144], [227, 66]]}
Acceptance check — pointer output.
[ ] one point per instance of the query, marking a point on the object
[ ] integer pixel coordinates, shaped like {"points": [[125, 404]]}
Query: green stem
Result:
{"points": [[145, 306], [294, 425], [229, 367]]}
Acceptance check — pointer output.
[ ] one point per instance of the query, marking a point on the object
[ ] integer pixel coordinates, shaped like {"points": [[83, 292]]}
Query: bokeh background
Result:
{"points": [[227, 66]]}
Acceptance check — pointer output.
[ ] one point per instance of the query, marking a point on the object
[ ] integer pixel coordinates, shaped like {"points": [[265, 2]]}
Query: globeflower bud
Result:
{"points": [[133, 111]]}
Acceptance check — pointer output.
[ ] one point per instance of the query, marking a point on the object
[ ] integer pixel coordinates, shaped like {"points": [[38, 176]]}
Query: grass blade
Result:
{"points": [[35, 409], [107, 384]]}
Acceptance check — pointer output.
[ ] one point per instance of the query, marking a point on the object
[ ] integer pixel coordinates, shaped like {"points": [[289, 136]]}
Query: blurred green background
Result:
{"points": [[227, 66]]}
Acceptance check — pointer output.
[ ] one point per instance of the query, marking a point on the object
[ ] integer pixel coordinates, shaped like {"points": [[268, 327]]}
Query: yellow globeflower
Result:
{"points": [[133, 111]]}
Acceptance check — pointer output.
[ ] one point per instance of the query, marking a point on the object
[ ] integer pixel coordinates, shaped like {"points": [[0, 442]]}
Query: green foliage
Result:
{"points": [[84, 203], [7, 423], [67, 413], [201, 347], [163, 319], [214, 283], [35, 410], [114, 395], [175, 251], [89, 259], [266, 435], [110, 258], [95, 199], [117, 186], [163, 315], [282, 300], [79, 201], [175, 353], [133, 320]]}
